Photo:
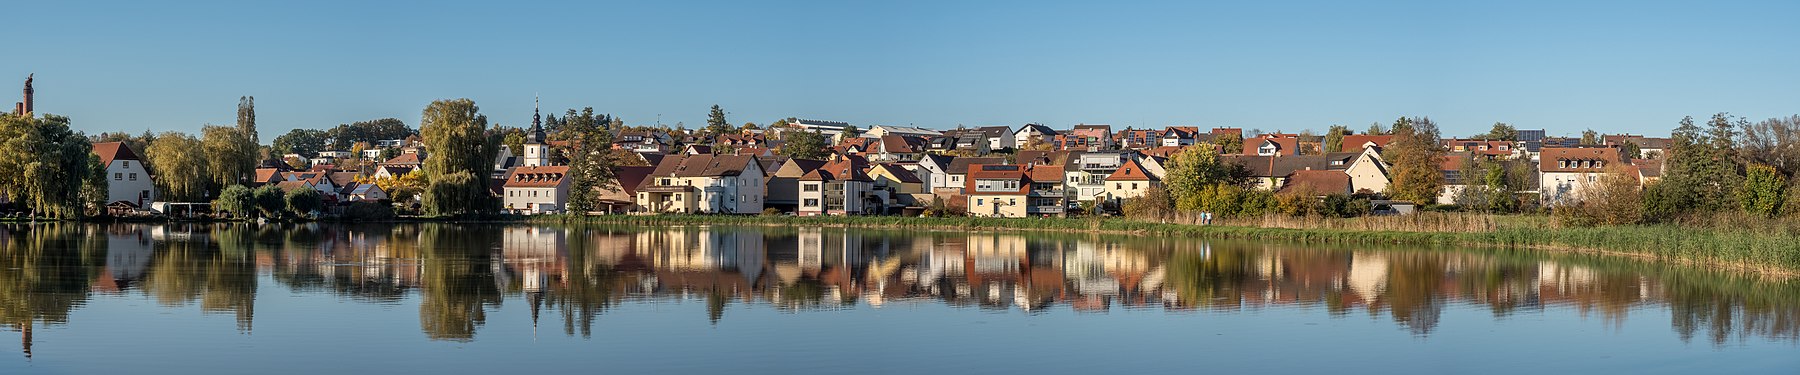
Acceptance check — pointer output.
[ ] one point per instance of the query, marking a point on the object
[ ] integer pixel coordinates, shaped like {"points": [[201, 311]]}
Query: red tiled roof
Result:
{"points": [[541, 176], [1130, 171], [1354, 143], [405, 159], [110, 151], [997, 172], [1284, 145]]}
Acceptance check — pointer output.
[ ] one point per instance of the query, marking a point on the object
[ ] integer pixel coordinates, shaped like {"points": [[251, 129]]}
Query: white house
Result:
{"points": [[127, 180], [1028, 131], [536, 190], [1566, 171]]}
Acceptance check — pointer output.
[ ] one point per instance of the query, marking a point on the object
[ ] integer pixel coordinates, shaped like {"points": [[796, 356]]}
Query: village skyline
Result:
{"points": [[1616, 68]]}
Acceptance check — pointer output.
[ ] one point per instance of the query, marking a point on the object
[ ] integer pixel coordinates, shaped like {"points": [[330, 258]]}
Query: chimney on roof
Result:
{"points": [[23, 109]]}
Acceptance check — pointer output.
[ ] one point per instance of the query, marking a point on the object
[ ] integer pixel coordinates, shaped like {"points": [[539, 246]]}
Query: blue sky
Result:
{"points": [[1625, 66]]}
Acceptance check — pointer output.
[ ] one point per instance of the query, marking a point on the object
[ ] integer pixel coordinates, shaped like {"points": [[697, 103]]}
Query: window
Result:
{"points": [[809, 187], [118, 176], [127, 163], [810, 202], [1134, 186], [1590, 178], [979, 202], [1118, 185], [133, 176], [1562, 163]]}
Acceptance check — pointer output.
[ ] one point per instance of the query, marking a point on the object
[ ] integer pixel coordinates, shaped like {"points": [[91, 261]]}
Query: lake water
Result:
{"points": [[149, 299]]}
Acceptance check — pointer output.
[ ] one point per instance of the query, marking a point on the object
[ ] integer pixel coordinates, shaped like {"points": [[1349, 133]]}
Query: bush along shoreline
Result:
{"points": [[1765, 252]]}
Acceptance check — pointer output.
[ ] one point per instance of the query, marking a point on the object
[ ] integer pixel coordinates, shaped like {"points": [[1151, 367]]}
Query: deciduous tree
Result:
{"points": [[181, 166]]}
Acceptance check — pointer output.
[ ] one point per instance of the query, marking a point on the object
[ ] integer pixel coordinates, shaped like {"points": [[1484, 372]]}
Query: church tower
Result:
{"points": [[537, 153]]}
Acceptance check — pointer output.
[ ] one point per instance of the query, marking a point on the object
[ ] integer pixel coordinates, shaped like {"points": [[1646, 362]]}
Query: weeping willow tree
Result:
{"points": [[199, 270], [45, 273], [459, 284]]}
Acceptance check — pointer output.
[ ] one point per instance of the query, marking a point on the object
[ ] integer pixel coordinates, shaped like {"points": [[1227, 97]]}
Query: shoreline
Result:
{"points": [[1778, 263]]}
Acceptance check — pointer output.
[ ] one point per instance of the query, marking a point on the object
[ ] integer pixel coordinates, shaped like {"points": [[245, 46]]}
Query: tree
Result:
{"points": [[1632, 150], [1155, 204], [1615, 199], [803, 144], [43, 164], [1763, 191], [94, 190], [303, 202], [181, 166], [454, 131], [1194, 170], [269, 200], [1501, 132], [230, 154], [1700, 175], [1590, 137], [1415, 156], [514, 141], [372, 131], [715, 122], [1230, 142], [236, 199], [591, 163], [749, 126], [850, 131], [1334, 138], [246, 118], [1376, 128], [306, 142], [1774, 142]]}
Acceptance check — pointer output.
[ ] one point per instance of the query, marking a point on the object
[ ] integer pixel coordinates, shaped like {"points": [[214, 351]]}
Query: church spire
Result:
{"points": [[537, 123]]}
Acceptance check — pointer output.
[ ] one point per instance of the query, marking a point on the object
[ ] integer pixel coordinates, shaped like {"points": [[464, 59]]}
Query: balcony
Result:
{"points": [[1051, 209]]}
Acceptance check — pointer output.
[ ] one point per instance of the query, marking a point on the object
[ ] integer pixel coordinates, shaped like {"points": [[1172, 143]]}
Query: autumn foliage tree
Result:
{"points": [[1415, 156]]}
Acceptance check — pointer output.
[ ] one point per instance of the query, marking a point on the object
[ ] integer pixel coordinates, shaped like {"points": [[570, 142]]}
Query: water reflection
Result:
{"points": [[571, 277]]}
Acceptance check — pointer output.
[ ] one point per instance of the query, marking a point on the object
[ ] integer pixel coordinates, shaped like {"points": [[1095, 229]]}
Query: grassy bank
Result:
{"points": [[1767, 251]]}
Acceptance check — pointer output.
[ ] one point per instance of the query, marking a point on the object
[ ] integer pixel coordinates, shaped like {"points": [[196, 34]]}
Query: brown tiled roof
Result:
{"points": [[1284, 145], [997, 171], [631, 176], [1131, 171], [1648, 167], [405, 159], [1046, 173], [1320, 182], [704, 165], [541, 176], [343, 178], [110, 151], [1354, 143], [1581, 159], [1260, 166]]}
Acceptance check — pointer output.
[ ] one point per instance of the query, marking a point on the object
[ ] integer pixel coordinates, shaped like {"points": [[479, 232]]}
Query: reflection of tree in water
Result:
{"points": [[588, 288], [1733, 307], [458, 280], [1414, 292], [44, 274], [1212, 279], [189, 268]]}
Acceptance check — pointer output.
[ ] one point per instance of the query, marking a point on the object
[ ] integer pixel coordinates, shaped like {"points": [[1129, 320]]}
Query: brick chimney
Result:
{"points": [[26, 106]]}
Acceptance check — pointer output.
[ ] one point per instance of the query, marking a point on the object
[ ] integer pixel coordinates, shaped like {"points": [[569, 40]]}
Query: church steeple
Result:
{"points": [[537, 153], [537, 121]]}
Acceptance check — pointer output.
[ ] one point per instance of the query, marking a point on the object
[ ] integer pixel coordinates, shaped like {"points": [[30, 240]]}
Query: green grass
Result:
{"points": [[1720, 246]]}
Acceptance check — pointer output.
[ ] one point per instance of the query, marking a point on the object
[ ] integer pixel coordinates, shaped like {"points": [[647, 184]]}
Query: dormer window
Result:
{"points": [[1562, 163]]}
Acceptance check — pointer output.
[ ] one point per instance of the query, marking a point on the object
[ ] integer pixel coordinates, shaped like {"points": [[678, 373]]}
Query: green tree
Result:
{"points": [[236, 199], [454, 132], [1763, 190], [1376, 128], [230, 153], [514, 141], [1632, 150], [372, 132], [306, 142], [269, 200], [802, 144], [1230, 143], [591, 163], [1415, 156], [43, 164], [1501, 132], [716, 123], [94, 191], [850, 131], [302, 202], [181, 166], [1334, 138], [1590, 137], [246, 118], [1192, 171]]}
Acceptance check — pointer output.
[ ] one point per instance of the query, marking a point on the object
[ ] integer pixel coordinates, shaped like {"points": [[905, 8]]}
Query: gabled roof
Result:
{"points": [[1270, 166], [899, 144], [1319, 182], [1354, 143], [540, 176], [1045, 173], [631, 176], [1040, 128], [899, 173], [997, 172], [405, 159], [110, 151], [1582, 159], [343, 178], [704, 165], [1131, 171], [961, 165], [840, 168], [1283, 145]]}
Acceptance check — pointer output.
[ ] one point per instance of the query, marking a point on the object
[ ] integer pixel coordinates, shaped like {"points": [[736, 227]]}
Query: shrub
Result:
{"points": [[303, 202]]}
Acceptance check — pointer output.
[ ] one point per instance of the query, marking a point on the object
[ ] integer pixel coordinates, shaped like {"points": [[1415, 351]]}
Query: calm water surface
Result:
{"points": [[487, 299]]}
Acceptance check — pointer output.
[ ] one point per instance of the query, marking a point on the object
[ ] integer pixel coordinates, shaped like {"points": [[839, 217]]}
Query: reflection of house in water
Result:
{"points": [[128, 252]]}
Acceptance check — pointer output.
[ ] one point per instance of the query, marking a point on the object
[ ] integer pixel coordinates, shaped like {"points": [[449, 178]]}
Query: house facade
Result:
{"points": [[536, 190], [126, 179], [1565, 172], [722, 184]]}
